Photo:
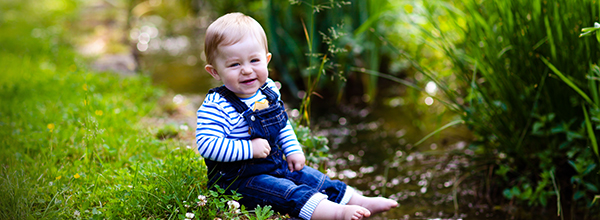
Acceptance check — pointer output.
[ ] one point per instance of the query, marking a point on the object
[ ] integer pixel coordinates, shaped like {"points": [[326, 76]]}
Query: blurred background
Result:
{"points": [[457, 109]]}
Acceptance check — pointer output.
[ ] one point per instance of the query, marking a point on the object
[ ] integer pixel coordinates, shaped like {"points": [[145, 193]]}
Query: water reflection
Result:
{"points": [[373, 151]]}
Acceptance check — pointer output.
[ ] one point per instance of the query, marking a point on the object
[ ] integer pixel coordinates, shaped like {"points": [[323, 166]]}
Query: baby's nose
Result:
{"points": [[246, 70]]}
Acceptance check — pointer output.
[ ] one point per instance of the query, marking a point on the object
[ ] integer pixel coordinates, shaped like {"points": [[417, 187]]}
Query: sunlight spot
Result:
{"points": [[93, 48], [363, 113], [178, 99], [149, 30], [461, 145], [399, 153], [144, 38], [183, 127], [429, 101], [142, 47], [400, 133], [349, 174], [342, 121], [295, 113], [431, 88], [330, 173], [395, 102]]}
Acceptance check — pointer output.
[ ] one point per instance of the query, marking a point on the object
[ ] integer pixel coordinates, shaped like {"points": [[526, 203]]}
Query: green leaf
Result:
{"points": [[537, 126], [515, 191], [590, 131], [578, 195], [527, 194], [543, 200], [507, 194], [573, 165], [567, 81], [591, 187], [575, 179], [589, 169]]}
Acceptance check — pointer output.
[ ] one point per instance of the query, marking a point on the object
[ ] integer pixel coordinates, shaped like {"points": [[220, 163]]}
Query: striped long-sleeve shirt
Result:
{"points": [[222, 133]]}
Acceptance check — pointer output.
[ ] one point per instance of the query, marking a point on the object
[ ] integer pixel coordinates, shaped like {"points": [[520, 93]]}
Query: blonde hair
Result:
{"points": [[230, 29]]}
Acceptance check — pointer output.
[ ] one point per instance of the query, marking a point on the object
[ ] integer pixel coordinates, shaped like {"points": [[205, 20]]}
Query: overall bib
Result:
{"points": [[268, 181]]}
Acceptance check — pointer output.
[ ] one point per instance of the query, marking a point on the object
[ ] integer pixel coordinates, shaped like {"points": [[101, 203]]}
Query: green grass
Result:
{"points": [[74, 143]]}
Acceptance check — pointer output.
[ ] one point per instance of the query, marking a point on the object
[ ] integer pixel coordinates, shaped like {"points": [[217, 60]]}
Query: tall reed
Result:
{"points": [[522, 76]]}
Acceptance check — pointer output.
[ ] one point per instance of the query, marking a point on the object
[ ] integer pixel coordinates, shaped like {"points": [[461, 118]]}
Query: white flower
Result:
{"points": [[77, 213], [233, 204], [189, 215], [202, 201]]}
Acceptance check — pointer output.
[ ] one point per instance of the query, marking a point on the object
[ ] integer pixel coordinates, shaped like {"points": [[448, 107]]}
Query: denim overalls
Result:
{"points": [[268, 181]]}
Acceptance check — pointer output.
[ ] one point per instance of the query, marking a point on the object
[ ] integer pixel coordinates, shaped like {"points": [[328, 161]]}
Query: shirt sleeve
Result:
{"points": [[213, 126], [288, 140], [287, 137]]}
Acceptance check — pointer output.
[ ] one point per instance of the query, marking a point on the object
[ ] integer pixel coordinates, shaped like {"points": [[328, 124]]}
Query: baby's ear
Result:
{"points": [[213, 72], [269, 55]]}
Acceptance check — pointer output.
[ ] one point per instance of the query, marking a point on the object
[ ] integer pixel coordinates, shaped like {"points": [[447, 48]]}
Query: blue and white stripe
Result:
{"points": [[309, 207], [222, 133]]}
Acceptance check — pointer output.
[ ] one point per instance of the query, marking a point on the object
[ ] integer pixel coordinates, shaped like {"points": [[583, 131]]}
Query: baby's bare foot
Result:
{"points": [[373, 204], [354, 212], [327, 210]]}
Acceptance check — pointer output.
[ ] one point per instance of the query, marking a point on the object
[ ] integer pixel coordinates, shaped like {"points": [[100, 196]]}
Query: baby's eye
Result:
{"points": [[254, 60], [234, 65]]}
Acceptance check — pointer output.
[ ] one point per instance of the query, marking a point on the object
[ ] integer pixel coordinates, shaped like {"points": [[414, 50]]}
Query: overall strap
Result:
{"points": [[271, 95], [239, 106]]}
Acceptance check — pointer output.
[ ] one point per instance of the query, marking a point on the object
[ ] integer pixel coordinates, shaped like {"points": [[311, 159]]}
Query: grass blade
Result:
{"points": [[452, 123], [590, 131], [567, 81]]}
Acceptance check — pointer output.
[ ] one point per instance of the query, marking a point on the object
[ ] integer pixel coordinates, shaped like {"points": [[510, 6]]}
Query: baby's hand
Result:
{"points": [[296, 162], [260, 148]]}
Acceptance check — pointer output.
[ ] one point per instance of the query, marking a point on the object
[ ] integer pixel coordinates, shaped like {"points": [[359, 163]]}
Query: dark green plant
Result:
{"points": [[261, 213], [315, 147], [511, 91]]}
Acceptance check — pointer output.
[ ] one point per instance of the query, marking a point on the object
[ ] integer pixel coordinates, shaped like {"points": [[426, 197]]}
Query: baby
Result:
{"points": [[247, 140]]}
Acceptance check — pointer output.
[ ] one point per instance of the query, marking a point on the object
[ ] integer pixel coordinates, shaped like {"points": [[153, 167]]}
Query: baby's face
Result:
{"points": [[242, 66]]}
